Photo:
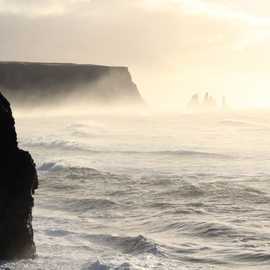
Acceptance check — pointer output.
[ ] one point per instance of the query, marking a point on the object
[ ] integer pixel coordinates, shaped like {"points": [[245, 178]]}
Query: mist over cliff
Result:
{"points": [[37, 84]]}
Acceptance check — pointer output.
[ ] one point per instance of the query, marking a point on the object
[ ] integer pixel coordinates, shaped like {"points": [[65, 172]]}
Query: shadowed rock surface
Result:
{"points": [[18, 181], [34, 84]]}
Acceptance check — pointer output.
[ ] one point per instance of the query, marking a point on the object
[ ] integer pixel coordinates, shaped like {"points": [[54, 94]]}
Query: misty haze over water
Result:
{"points": [[152, 151], [145, 191]]}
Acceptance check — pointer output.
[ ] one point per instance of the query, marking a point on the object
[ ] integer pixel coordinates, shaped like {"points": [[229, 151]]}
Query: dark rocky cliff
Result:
{"points": [[37, 83], [18, 181]]}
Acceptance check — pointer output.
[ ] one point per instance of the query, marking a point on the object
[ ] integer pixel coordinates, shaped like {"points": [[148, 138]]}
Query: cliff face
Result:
{"points": [[18, 181], [36, 83]]}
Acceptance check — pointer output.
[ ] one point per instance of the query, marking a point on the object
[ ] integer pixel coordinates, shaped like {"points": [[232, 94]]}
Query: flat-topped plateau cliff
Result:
{"points": [[40, 83]]}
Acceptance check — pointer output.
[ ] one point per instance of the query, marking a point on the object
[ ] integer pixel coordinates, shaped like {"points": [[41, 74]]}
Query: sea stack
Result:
{"points": [[18, 181]]}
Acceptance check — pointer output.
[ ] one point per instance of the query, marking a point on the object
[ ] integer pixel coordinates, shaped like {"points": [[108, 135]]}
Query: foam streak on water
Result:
{"points": [[182, 192]]}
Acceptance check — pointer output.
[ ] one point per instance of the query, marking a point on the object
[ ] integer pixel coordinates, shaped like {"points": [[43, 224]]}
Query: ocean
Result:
{"points": [[149, 191]]}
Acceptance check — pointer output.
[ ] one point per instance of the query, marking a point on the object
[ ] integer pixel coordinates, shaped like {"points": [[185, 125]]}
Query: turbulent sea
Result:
{"points": [[150, 192]]}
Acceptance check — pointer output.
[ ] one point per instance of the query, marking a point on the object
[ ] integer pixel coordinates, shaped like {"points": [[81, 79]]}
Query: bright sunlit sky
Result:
{"points": [[173, 48]]}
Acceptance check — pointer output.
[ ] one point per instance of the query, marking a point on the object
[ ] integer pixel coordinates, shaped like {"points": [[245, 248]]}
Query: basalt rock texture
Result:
{"points": [[18, 181], [36, 84]]}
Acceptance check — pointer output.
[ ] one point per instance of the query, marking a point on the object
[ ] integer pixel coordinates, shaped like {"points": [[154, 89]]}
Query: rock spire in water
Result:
{"points": [[18, 181]]}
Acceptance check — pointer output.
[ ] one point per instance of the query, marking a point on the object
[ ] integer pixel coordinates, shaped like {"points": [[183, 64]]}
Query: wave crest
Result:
{"points": [[73, 146], [102, 266], [129, 245]]}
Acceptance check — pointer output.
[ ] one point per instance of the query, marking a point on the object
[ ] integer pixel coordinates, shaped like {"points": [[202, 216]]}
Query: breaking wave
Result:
{"points": [[50, 166], [103, 266], [129, 245], [72, 146], [134, 245], [56, 167], [84, 205]]}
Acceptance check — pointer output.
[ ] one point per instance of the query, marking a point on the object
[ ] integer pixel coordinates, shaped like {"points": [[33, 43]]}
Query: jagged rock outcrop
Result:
{"points": [[35, 84], [18, 181]]}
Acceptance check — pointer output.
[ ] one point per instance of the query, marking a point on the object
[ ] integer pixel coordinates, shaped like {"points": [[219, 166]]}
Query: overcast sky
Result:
{"points": [[172, 47]]}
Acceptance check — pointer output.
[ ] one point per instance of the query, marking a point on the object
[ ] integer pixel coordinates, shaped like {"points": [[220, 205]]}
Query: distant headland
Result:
{"points": [[33, 83]]}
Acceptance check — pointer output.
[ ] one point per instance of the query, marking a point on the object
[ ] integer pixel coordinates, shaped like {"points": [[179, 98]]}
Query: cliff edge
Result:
{"points": [[18, 181], [38, 83]]}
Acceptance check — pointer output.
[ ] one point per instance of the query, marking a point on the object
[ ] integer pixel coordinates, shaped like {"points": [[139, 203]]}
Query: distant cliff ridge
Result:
{"points": [[38, 83]]}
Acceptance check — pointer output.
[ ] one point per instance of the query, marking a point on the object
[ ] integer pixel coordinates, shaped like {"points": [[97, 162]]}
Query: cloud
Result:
{"points": [[231, 11], [40, 8], [116, 32], [125, 32], [249, 12]]}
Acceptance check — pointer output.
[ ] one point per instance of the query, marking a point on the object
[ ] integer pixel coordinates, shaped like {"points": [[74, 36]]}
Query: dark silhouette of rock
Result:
{"points": [[18, 181], [35, 84], [207, 104], [194, 102]]}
